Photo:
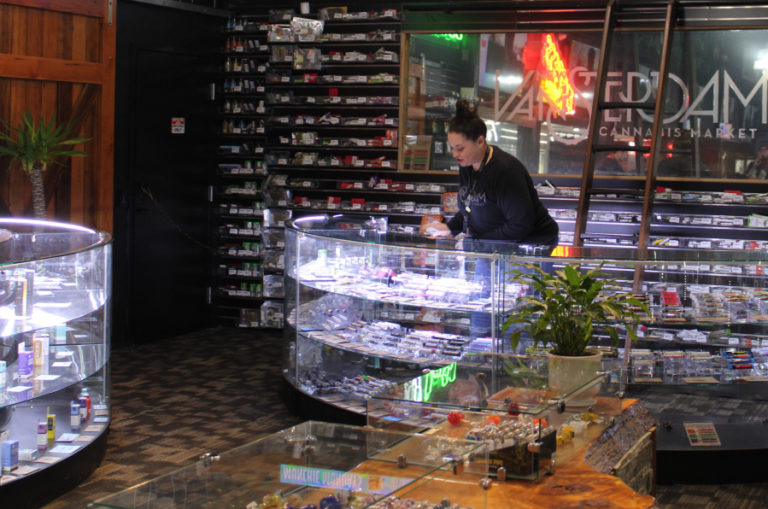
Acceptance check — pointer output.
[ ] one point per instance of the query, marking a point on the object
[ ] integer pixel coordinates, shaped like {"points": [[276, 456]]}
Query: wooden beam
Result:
{"points": [[50, 69], [104, 122], [91, 8]]}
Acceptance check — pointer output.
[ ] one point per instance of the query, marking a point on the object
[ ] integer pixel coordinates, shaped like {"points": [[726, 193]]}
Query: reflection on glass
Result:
{"points": [[714, 116]]}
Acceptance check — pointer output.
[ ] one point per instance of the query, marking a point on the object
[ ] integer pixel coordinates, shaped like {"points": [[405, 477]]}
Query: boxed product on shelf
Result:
{"points": [[273, 286], [249, 318], [273, 259], [271, 314], [274, 218], [277, 197], [273, 238]]}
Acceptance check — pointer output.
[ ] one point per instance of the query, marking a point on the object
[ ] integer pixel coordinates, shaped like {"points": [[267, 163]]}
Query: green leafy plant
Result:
{"points": [[567, 304], [35, 146]]}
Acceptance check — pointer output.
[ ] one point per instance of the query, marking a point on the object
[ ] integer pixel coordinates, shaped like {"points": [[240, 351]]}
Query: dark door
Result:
{"points": [[167, 263]]}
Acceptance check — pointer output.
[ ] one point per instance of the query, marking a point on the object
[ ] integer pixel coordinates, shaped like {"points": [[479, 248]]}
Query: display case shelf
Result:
{"points": [[55, 289]]}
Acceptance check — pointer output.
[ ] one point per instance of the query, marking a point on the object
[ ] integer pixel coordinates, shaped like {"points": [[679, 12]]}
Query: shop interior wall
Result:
{"points": [[161, 256], [57, 58]]}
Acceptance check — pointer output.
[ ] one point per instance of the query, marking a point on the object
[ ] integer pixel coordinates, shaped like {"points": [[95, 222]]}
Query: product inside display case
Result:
{"points": [[505, 402], [318, 464], [54, 344]]}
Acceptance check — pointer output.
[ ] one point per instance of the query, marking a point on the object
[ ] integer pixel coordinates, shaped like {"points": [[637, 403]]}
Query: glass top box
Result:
{"points": [[504, 401], [309, 463]]}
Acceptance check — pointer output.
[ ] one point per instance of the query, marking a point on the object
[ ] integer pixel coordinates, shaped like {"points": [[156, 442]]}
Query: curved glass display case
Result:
{"points": [[368, 309], [54, 346]]}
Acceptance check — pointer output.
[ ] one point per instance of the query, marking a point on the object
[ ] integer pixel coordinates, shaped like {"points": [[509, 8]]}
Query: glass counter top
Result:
{"points": [[329, 465], [373, 230]]}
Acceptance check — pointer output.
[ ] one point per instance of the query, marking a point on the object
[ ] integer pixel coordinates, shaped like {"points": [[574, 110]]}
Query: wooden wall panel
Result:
{"points": [[58, 58], [83, 7]]}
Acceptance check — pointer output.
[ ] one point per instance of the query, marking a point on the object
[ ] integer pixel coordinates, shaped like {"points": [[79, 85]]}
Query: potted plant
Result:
{"points": [[35, 146], [565, 308]]}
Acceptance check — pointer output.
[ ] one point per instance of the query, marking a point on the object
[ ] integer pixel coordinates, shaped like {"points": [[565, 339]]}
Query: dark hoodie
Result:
{"points": [[503, 205]]}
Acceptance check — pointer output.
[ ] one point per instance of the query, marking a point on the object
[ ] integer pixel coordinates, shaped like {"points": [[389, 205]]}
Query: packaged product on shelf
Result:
{"points": [[273, 238], [275, 218], [307, 58], [274, 77], [281, 15], [327, 13], [280, 33], [273, 259], [271, 314], [305, 29], [273, 286], [249, 318]]}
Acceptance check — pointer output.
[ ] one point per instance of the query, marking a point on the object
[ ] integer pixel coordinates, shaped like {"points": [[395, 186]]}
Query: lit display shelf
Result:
{"points": [[55, 288], [369, 308]]}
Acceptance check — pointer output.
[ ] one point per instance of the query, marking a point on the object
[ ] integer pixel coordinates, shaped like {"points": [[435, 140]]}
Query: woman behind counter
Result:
{"points": [[497, 200]]}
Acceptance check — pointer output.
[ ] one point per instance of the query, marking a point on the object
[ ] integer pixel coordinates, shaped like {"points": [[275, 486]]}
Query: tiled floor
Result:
{"points": [[216, 389]]}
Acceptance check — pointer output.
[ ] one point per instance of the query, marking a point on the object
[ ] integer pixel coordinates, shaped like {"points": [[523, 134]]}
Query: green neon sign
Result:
{"points": [[420, 389], [450, 37]]}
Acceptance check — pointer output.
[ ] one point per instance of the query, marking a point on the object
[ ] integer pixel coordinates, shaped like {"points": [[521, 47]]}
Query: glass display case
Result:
{"points": [[317, 464], [54, 348], [368, 309]]}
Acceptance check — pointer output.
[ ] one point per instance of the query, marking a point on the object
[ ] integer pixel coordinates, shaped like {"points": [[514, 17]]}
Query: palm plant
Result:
{"points": [[35, 146], [567, 305]]}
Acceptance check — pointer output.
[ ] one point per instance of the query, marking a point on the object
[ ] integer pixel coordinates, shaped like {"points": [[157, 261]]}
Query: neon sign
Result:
{"points": [[420, 389], [342, 480], [450, 37], [554, 81]]}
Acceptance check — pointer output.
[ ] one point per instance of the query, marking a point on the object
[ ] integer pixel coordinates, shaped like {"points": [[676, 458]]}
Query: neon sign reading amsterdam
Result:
{"points": [[554, 81]]}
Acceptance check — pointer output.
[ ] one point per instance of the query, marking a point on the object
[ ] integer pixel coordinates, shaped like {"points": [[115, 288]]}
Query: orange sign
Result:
{"points": [[554, 78]]}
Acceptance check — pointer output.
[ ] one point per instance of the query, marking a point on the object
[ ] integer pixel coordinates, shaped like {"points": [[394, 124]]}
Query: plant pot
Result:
{"points": [[567, 375]]}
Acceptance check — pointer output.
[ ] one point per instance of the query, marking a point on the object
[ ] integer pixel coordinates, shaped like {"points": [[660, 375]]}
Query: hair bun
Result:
{"points": [[465, 109]]}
